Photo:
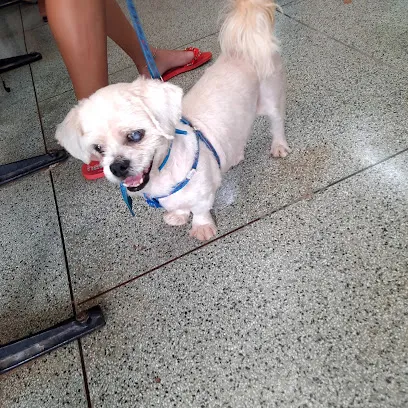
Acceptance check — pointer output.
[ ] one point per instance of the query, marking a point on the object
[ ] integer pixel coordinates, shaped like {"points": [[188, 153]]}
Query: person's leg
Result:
{"points": [[79, 28], [121, 31]]}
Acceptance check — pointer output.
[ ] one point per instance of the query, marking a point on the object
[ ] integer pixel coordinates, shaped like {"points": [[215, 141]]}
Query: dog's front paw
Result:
{"points": [[176, 218], [203, 232], [280, 149]]}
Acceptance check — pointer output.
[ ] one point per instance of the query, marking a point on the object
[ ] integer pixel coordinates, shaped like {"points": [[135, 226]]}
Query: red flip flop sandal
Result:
{"points": [[200, 58], [92, 171]]}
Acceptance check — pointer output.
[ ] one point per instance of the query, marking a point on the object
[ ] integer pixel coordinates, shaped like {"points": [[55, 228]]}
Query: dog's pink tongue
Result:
{"points": [[133, 181]]}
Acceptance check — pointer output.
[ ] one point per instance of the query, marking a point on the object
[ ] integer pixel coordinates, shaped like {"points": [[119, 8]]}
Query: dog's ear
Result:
{"points": [[70, 135], [162, 102]]}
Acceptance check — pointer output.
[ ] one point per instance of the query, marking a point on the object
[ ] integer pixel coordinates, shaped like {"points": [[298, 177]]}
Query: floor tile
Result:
{"points": [[20, 129], [53, 112], [305, 308], [34, 283], [11, 33], [53, 381], [50, 75], [106, 246], [12, 44], [376, 27], [31, 16], [125, 75], [171, 25], [35, 295], [21, 86]]}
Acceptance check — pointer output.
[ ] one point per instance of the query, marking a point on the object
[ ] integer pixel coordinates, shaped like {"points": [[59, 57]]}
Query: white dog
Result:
{"points": [[135, 129]]}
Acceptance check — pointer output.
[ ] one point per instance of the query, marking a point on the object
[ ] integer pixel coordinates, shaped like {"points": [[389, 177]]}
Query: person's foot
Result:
{"points": [[92, 171], [171, 63], [168, 59]]}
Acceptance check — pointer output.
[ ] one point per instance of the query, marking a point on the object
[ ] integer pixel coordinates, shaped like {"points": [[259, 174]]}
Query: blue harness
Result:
{"points": [[154, 201]]}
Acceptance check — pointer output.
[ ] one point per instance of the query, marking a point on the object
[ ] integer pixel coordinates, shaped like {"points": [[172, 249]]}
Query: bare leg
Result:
{"points": [[79, 28], [121, 31]]}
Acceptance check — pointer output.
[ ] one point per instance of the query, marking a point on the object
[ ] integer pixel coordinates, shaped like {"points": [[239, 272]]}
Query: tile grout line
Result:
{"points": [[52, 186], [71, 292], [357, 172], [264, 216], [175, 259], [84, 373], [197, 39], [59, 94], [32, 81]]}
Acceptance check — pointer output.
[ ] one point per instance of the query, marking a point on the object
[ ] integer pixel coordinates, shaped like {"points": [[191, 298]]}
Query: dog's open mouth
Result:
{"points": [[138, 181]]}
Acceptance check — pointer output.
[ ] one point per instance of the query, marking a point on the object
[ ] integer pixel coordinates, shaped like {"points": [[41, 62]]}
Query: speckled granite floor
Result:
{"points": [[302, 299]]}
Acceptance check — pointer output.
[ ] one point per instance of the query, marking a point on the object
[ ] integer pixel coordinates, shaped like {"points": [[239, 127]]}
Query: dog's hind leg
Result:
{"points": [[271, 102]]}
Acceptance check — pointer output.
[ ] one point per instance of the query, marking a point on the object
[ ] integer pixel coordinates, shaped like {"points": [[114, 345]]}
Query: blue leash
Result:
{"points": [[137, 25]]}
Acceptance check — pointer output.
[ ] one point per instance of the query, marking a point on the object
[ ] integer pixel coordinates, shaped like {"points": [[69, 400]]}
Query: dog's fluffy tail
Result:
{"points": [[247, 33]]}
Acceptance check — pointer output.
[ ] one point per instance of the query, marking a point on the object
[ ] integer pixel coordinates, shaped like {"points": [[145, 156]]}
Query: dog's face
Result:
{"points": [[124, 126]]}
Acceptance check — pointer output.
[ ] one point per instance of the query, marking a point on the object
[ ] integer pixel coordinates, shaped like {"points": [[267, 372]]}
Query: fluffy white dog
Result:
{"points": [[135, 129]]}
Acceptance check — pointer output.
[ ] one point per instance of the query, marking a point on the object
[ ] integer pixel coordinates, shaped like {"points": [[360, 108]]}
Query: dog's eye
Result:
{"points": [[136, 135], [98, 148]]}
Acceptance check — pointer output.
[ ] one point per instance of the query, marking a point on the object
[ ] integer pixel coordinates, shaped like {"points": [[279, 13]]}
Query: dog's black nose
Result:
{"points": [[120, 167]]}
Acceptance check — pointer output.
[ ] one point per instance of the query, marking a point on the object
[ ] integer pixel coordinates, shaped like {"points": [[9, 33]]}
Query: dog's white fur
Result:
{"points": [[246, 80]]}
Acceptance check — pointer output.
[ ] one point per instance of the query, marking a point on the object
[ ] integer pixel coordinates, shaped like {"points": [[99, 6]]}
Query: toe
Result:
{"points": [[280, 151]]}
